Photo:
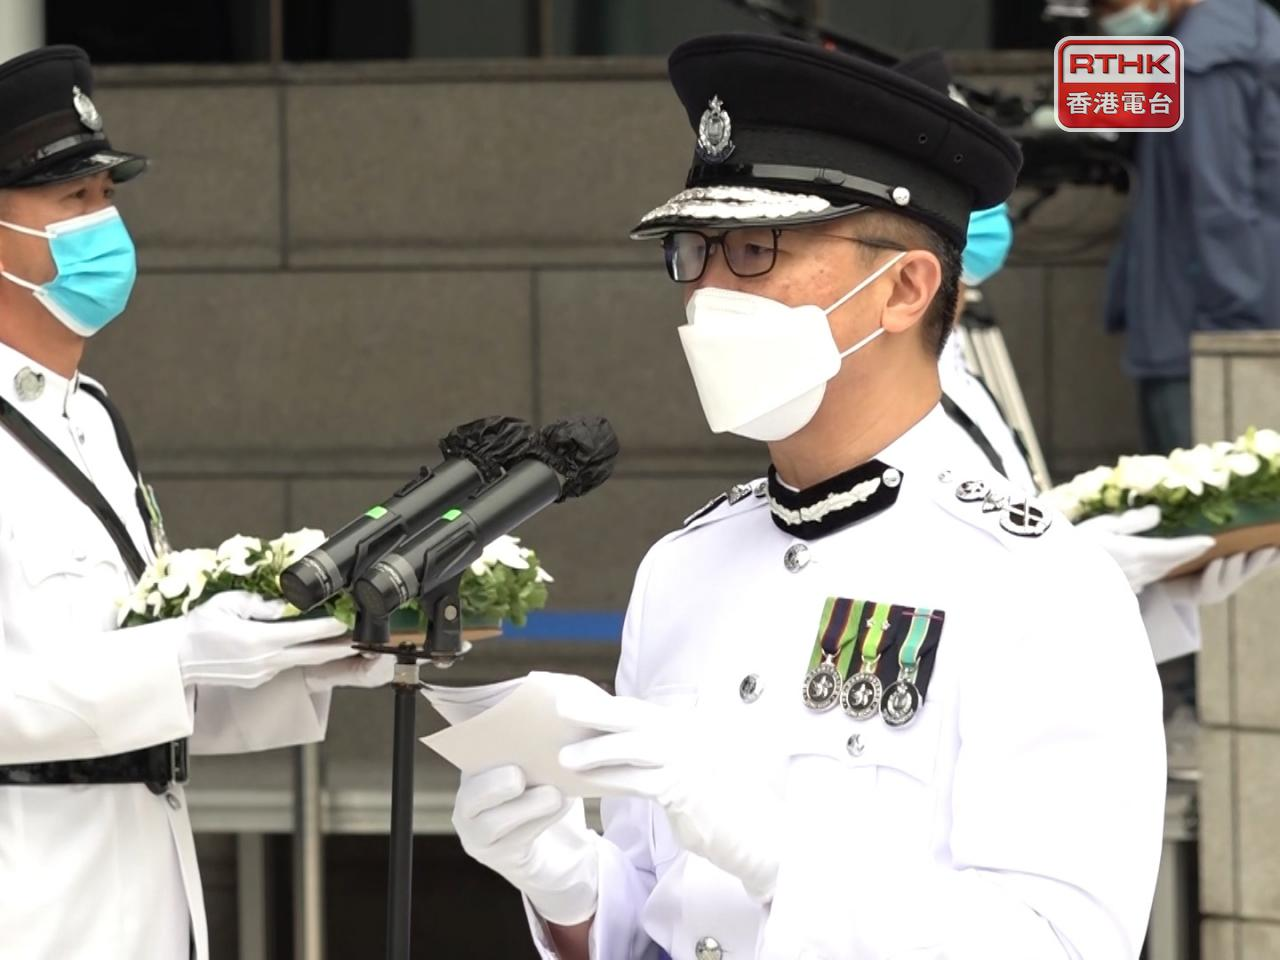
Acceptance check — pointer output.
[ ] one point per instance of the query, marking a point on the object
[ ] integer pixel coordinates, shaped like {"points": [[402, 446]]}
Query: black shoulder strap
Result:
{"points": [[975, 433], [127, 451], [44, 450]]}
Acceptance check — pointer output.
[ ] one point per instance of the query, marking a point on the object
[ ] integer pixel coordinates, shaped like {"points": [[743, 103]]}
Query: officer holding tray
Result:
{"points": [[96, 852], [878, 704]]}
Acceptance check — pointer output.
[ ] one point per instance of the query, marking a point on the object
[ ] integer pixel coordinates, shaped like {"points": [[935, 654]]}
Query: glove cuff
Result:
{"points": [[576, 898]]}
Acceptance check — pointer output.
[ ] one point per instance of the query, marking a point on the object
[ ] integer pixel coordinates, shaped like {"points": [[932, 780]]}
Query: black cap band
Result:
{"points": [[15, 169]]}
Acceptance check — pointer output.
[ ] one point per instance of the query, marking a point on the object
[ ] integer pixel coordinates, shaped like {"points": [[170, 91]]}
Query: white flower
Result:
{"points": [[186, 573], [1195, 468], [1242, 464], [1064, 499], [233, 555], [541, 576], [1088, 485], [1141, 474], [290, 546], [136, 602], [506, 551], [1265, 443]]}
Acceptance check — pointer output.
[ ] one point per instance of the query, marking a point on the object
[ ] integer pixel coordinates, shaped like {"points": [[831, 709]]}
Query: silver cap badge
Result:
{"points": [[715, 130], [89, 114]]}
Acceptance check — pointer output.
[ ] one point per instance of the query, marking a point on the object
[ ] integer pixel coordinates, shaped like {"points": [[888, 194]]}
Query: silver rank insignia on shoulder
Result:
{"points": [[738, 492], [87, 112], [715, 130], [994, 502], [706, 508], [29, 384], [1024, 517]]}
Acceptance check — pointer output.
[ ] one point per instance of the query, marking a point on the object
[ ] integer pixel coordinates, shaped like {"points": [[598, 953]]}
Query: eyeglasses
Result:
{"points": [[748, 251]]}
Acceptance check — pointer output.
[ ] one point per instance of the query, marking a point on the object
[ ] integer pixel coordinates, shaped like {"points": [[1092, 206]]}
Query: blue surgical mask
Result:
{"points": [[1136, 21], [96, 265], [987, 244]]}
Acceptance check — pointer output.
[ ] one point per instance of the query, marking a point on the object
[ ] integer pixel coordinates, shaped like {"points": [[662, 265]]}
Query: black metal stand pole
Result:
{"points": [[400, 870], [442, 648]]}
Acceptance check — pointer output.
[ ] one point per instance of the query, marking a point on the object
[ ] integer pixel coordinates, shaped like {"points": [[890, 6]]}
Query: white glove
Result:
{"points": [[1144, 560], [535, 838], [1225, 575], [231, 641], [688, 767], [353, 669]]}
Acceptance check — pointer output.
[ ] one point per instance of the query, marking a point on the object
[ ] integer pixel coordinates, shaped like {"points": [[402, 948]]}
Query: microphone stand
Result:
{"points": [[442, 647]]}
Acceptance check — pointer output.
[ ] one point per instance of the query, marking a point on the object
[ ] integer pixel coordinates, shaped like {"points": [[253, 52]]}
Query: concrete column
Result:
{"points": [[21, 27], [1236, 384]]}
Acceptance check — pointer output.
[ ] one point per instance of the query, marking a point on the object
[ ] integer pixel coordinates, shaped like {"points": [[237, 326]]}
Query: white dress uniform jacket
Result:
{"points": [[1019, 817], [101, 871]]}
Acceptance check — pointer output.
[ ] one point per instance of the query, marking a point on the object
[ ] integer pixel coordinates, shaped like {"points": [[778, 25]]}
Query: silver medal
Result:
{"points": [[862, 695], [822, 686], [901, 703]]}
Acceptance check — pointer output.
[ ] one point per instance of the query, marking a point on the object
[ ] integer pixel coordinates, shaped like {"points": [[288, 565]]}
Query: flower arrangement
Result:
{"points": [[1206, 488], [505, 583]]}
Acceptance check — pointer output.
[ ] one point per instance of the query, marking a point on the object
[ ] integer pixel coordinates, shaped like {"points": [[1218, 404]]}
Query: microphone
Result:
{"points": [[476, 453], [574, 457]]}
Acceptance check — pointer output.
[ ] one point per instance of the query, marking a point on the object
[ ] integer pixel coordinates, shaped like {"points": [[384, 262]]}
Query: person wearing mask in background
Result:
{"points": [[1169, 607], [97, 859], [1202, 241]]}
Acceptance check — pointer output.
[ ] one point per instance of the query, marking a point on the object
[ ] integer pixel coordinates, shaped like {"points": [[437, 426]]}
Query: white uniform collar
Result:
{"points": [[32, 388]]}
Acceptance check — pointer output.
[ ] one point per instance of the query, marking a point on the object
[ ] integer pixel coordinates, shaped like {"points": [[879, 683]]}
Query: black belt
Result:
{"points": [[156, 766]]}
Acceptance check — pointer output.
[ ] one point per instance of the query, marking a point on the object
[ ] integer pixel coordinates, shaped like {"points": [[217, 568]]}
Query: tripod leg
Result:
{"points": [[400, 871]]}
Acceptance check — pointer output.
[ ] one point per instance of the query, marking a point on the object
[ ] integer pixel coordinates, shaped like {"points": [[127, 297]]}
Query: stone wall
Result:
{"points": [[1236, 384]]}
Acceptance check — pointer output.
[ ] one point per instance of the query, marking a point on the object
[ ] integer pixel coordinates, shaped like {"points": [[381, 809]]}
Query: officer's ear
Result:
{"points": [[916, 278]]}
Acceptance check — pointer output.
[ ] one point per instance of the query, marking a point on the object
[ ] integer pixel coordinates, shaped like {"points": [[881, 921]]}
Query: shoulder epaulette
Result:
{"points": [[731, 498], [992, 503]]}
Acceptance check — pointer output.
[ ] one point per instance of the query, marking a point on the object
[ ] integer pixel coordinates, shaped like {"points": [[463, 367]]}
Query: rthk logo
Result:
{"points": [[1114, 84]]}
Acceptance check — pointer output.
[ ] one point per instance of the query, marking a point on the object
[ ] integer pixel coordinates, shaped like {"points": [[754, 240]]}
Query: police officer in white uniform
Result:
{"points": [[878, 705], [96, 852]]}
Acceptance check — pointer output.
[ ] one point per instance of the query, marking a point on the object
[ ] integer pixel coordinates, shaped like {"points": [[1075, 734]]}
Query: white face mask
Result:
{"points": [[760, 366]]}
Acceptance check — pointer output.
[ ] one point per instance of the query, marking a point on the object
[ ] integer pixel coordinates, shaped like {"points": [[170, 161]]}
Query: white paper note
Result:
{"points": [[514, 722]]}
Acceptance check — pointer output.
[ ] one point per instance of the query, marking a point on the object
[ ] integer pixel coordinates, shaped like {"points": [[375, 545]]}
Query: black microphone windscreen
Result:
{"points": [[581, 450], [491, 444]]}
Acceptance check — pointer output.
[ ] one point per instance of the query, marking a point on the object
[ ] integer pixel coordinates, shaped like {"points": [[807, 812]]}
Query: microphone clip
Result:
{"points": [[443, 606], [443, 645]]}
